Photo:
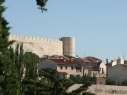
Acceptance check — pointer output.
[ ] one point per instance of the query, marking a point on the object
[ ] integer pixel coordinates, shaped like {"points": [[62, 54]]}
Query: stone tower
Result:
{"points": [[68, 46]]}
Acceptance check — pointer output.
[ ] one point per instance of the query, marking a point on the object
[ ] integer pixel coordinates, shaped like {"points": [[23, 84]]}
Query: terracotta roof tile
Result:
{"points": [[90, 59]]}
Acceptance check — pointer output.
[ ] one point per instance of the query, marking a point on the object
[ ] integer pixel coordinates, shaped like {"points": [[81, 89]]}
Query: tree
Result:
{"points": [[124, 83], [4, 43], [25, 64], [30, 81], [30, 60], [17, 57], [110, 82], [53, 83], [41, 4], [8, 83]]}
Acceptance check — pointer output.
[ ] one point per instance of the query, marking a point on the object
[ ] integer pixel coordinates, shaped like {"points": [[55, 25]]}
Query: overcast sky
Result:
{"points": [[99, 26]]}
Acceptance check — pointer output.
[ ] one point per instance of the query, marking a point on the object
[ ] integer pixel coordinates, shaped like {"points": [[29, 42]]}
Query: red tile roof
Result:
{"points": [[63, 61], [88, 62], [90, 59]]}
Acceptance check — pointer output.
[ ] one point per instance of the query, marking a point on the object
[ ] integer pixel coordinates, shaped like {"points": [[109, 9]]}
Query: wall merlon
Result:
{"points": [[31, 38]]}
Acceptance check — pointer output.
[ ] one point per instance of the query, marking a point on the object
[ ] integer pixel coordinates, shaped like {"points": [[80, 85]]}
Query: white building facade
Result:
{"points": [[119, 60]]}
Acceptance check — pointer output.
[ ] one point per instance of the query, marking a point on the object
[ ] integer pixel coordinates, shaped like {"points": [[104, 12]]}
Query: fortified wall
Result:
{"points": [[46, 46]]}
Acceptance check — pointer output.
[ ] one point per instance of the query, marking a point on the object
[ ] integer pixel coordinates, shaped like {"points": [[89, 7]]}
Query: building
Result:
{"points": [[92, 65], [117, 70], [44, 46], [64, 65], [119, 60], [68, 46], [118, 73], [71, 66], [103, 67], [101, 77]]}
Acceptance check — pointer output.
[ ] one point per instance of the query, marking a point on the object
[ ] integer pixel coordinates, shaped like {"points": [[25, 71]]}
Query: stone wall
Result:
{"points": [[39, 46], [108, 90]]}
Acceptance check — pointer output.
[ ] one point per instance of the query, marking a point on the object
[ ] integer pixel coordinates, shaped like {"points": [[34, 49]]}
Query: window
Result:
{"points": [[102, 70], [72, 68], [78, 70], [65, 67], [61, 67], [94, 74]]}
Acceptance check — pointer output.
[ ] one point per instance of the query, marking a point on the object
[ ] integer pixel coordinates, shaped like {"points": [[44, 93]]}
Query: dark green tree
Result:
{"points": [[31, 60], [4, 30], [17, 57], [124, 83], [42, 4], [53, 82], [8, 83], [30, 81]]}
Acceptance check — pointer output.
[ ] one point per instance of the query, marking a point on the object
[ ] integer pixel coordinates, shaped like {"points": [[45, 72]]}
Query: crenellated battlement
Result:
{"points": [[32, 39]]}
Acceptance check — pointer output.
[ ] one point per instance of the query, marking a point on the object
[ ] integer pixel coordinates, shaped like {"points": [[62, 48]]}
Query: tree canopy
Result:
{"points": [[42, 4]]}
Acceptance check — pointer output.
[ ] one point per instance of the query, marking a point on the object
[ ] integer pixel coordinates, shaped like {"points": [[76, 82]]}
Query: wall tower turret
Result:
{"points": [[68, 46]]}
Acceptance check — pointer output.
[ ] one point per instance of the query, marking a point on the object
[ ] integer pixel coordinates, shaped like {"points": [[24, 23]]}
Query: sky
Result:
{"points": [[99, 26]]}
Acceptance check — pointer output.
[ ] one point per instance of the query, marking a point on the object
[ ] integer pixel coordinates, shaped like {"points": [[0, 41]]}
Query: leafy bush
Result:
{"points": [[124, 83]]}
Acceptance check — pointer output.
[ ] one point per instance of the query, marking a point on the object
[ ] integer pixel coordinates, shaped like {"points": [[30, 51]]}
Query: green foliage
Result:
{"points": [[110, 82], [67, 83], [124, 83], [51, 78], [59, 86], [42, 4], [31, 60], [30, 83], [83, 80], [4, 43], [8, 78]]}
